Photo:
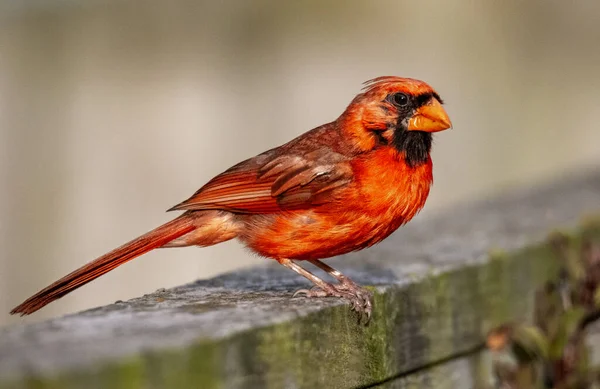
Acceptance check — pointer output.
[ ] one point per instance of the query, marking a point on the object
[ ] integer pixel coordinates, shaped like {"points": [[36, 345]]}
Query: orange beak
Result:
{"points": [[431, 117]]}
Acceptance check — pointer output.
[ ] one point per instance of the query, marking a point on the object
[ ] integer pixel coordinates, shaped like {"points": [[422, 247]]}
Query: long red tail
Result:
{"points": [[94, 269]]}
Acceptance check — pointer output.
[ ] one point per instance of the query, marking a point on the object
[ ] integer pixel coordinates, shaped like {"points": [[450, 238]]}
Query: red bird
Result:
{"points": [[340, 187]]}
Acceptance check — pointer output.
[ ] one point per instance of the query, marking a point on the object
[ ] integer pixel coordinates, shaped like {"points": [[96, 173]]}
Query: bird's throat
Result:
{"points": [[414, 145]]}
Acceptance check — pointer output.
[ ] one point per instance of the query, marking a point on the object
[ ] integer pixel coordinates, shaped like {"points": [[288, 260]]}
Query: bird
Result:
{"points": [[338, 188]]}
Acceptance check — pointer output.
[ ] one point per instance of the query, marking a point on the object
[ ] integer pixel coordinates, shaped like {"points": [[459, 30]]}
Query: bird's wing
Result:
{"points": [[271, 182]]}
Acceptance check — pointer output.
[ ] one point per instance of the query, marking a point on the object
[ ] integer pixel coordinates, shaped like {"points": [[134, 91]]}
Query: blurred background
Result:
{"points": [[113, 111]]}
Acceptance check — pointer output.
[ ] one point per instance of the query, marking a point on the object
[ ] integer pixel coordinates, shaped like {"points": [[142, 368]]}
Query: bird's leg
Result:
{"points": [[345, 282], [362, 297], [324, 289], [359, 298]]}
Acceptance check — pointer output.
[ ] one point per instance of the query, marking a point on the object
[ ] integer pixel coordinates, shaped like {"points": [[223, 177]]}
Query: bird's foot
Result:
{"points": [[360, 299]]}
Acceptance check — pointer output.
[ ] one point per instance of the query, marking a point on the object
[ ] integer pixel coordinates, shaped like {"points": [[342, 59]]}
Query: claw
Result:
{"points": [[301, 292], [359, 298], [313, 292]]}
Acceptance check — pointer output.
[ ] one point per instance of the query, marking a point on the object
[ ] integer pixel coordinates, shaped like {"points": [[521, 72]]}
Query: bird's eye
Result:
{"points": [[399, 99]]}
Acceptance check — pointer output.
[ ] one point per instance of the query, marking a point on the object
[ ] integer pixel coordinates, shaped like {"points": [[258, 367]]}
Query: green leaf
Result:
{"points": [[530, 343], [567, 325]]}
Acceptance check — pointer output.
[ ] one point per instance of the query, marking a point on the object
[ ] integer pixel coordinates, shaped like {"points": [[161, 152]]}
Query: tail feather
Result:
{"points": [[109, 261]]}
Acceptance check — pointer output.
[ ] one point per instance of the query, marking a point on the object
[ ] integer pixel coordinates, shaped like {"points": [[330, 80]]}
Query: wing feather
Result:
{"points": [[270, 183]]}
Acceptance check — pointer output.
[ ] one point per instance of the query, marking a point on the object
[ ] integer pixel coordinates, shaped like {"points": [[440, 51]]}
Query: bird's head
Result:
{"points": [[398, 112]]}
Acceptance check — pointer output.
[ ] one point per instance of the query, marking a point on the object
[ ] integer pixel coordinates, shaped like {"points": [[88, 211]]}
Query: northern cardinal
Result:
{"points": [[340, 187]]}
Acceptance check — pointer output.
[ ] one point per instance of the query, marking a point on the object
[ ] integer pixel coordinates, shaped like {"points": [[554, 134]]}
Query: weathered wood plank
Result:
{"points": [[438, 290], [463, 373], [469, 371]]}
